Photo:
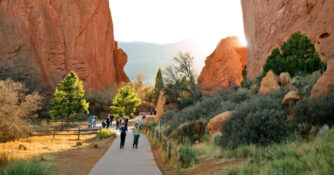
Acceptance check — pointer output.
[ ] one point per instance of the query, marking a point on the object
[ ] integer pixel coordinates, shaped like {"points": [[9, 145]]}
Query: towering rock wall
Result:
{"points": [[223, 68], [269, 23], [41, 40]]}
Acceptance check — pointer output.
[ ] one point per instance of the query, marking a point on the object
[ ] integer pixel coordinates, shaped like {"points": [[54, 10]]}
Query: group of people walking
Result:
{"points": [[123, 127], [136, 135]]}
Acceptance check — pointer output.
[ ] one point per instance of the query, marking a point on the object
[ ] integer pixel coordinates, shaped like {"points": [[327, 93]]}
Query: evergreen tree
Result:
{"points": [[159, 84], [68, 98], [297, 54], [126, 101]]}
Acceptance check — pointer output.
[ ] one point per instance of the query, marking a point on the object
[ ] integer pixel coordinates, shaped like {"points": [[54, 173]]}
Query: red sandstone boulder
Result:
{"points": [[284, 80], [269, 83], [190, 130], [217, 122], [325, 84], [223, 68], [42, 40], [268, 23]]}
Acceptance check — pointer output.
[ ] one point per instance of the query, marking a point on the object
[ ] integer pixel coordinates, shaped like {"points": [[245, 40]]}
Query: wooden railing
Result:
{"points": [[169, 147], [60, 131]]}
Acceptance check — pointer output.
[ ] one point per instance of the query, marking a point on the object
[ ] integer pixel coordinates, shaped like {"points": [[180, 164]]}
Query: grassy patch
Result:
{"points": [[298, 157], [27, 168]]}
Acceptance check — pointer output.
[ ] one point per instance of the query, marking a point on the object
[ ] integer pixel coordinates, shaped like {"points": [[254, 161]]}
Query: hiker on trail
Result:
{"points": [[151, 111], [117, 123], [94, 121], [108, 121], [111, 119], [124, 131], [120, 122], [136, 135], [90, 121], [103, 124], [126, 120]]}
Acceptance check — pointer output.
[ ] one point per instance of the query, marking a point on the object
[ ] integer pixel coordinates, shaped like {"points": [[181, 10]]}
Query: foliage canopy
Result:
{"points": [[297, 54], [126, 101], [68, 98]]}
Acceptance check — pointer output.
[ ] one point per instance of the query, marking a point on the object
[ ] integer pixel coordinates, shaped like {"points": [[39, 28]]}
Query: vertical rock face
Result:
{"points": [[41, 40], [269, 23], [223, 68], [120, 58]]}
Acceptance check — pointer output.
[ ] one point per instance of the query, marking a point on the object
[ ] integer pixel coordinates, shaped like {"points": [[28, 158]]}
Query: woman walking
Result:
{"points": [[108, 121], [136, 135], [124, 131]]}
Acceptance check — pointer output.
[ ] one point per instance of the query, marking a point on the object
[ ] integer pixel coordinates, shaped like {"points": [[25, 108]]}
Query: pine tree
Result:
{"points": [[297, 54], [125, 102], [159, 84], [68, 98]]}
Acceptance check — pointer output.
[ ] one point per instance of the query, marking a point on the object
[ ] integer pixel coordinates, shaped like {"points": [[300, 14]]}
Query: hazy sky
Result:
{"points": [[166, 21]]}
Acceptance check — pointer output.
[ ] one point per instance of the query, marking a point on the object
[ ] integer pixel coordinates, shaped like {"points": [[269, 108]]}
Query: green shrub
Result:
{"points": [[105, 133], [188, 156], [210, 106], [100, 101], [316, 112], [304, 83], [260, 120], [296, 54], [215, 139], [27, 168]]}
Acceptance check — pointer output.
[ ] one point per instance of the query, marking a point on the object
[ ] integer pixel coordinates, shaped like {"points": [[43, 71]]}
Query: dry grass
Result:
{"points": [[38, 146]]}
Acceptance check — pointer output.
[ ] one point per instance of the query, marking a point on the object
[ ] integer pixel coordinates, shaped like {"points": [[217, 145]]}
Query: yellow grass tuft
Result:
{"points": [[38, 146]]}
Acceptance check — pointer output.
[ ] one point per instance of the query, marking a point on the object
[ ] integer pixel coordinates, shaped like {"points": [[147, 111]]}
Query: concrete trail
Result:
{"points": [[127, 161]]}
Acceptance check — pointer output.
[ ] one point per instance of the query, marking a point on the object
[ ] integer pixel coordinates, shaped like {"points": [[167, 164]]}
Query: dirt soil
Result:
{"points": [[207, 167], [80, 161]]}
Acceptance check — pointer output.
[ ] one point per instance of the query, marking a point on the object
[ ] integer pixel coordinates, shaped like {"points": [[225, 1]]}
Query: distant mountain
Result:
{"points": [[148, 57]]}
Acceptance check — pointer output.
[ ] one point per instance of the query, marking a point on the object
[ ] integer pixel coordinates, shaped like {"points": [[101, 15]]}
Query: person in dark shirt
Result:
{"points": [[111, 119], [124, 131]]}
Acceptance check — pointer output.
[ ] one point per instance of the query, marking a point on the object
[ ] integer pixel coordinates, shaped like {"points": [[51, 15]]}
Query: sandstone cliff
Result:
{"points": [[223, 68], [41, 40], [269, 23]]}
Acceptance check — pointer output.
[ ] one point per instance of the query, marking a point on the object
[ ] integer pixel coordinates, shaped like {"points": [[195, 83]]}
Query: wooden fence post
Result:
{"points": [[169, 149], [54, 132], [79, 134]]}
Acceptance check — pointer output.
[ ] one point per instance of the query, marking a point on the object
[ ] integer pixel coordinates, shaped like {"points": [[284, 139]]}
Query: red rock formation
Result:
{"points": [[269, 83], [120, 58], [42, 40], [325, 83], [223, 68], [269, 23], [217, 123]]}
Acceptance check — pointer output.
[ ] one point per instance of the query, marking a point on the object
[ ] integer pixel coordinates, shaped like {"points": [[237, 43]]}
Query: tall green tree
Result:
{"points": [[68, 98], [297, 54], [159, 84], [125, 102]]}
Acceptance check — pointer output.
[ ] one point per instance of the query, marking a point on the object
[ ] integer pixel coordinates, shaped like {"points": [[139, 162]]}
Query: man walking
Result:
{"points": [[124, 131], [136, 135]]}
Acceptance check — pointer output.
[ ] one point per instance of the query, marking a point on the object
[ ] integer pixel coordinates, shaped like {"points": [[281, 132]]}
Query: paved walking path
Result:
{"points": [[127, 161]]}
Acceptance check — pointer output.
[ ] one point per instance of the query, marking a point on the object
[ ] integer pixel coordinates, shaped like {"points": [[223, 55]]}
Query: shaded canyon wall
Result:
{"points": [[41, 40], [268, 23]]}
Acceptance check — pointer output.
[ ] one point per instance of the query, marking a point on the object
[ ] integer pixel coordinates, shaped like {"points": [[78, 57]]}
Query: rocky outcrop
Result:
{"points": [[41, 41], [120, 58], [216, 123], [325, 83], [269, 83], [190, 130], [160, 106], [223, 68], [268, 23], [284, 80]]}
